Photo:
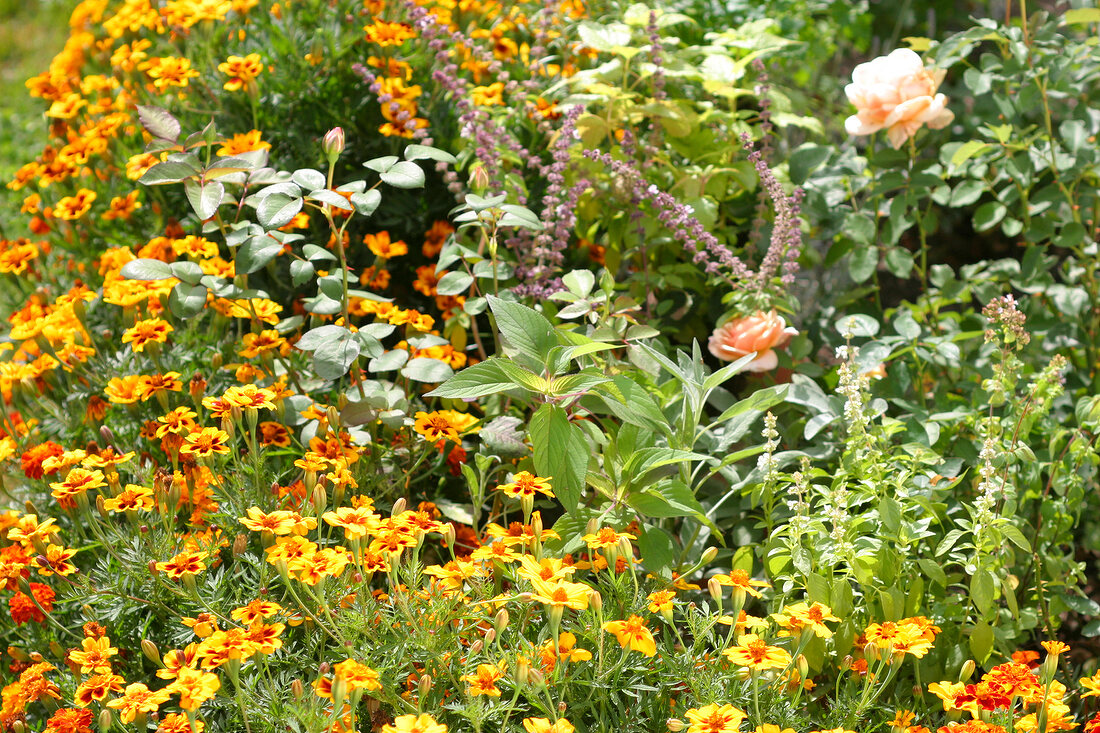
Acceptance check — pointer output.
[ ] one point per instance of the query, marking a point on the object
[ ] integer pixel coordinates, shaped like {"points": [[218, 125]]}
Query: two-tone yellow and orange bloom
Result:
{"points": [[753, 652], [715, 718], [632, 634]]}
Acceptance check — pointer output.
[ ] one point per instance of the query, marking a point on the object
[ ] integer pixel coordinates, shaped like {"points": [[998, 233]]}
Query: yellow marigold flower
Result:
{"points": [[96, 688], [547, 569], [801, 616], [357, 676], [138, 699], [95, 656], [278, 522], [484, 681], [389, 34], [488, 96], [422, 723], [753, 652], [205, 443], [1054, 648], [606, 537], [543, 725], [1091, 684], [122, 207], [225, 646], [149, 330], [194, 687], [56, 560], [189, 562], [437, 426], [633, 634], [381, 245], [256, 610], [133, 498], [77, 481], [244, 142], [739, 579], [660, 601], [74, 207], [714, 719], [242, 69], [250, 397], [526, 484], [357, 522], [263, 342], [169, 71], [561, 593], [150, 384], [911, 640], [564, 650]]}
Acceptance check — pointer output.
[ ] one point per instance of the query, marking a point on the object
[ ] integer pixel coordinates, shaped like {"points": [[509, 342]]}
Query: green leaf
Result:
{"points": [[404, 175], [989, 215], [860, 227], [308, 178], [277, 210], [301, 271], [320, 336], [426, 152], [382, 164], [560, 452], [477, 380], [758, 401], [504, 436], [389, 361], [424, 369], [966, 193], [658, 551], [899, 261], [204, 198], [806, 159], [933, 570], [862, 263], [1013, 534], [146, 269], [454, 283], [333, 358], [981, 641], [159, 122], [982, 590], [313, 253], [187, 301], [187, 271], [367, 202], [168, 172], [572, 384], [331, 198], [1081, 16], [857, 324], [254, 254], [967, 151], [645, 460], [526, 330]]}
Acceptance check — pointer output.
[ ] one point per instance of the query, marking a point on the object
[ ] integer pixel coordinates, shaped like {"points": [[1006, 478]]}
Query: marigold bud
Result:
{"points": [[708, 556], [297, 689], [105, 719], [500, 621], [149, 649], [675, 725], [536, 678], [399, 506], [424, 685], [595, 601], [967, 670]]}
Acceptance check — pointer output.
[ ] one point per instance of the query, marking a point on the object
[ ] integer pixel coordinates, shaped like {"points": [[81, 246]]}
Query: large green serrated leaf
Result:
{"points": [[477, 380], [529, 334], [560, 452]]}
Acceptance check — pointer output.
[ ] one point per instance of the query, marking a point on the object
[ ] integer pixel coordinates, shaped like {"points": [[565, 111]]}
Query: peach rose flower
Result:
{"points": [[898, 93], [760, 332]]}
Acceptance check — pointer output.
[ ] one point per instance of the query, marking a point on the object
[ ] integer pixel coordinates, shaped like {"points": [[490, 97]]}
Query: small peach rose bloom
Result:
{"points": [[760, 332], [898, 93]]}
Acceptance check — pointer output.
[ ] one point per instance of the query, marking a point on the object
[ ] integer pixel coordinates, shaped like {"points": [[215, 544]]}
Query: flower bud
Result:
{"points": [[240, 544], [105, 719], [424, 685], [536, 678], [500, 621], [967, 670], [675, 725], [297, 689], [333, 144], [523, 670], [490, 636], [333, 419], [399, 506], [479, 178], [708, 555], [476, 647], [149, 649], [595, 601], [715, 590], [57, 650]]}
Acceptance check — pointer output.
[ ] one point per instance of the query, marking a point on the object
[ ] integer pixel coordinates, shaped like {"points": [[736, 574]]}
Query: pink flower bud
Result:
{"points": [[333, 143]]}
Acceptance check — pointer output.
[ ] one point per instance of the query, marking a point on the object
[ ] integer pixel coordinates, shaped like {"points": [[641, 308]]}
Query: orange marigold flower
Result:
{"points": [[740, 580], [1055, 648], [381, 245], [56, 560], [357, 676], [633, 634], [133, 498], [97, 688], [69, 720], [562, 594], [122, 207], [23, 609], [800, 616], [606, 537], [32, 458], [74, 207]]}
